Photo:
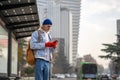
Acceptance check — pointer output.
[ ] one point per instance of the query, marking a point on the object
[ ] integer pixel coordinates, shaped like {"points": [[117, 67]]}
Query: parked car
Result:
{"points": [[60, 75], [53, 76], [73, 75], [67, 75]]}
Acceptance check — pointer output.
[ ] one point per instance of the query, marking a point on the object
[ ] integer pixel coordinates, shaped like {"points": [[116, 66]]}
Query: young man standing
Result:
{"points": [[43, 50]]}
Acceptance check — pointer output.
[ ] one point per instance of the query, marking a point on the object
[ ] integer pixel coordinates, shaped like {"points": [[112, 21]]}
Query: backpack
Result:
{"points": [[30, 57]]}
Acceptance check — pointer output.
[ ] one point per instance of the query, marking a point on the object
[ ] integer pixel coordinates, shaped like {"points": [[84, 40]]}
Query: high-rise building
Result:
{"points": [[66, 31], [118, 27], [61, 22], [74, 7]]}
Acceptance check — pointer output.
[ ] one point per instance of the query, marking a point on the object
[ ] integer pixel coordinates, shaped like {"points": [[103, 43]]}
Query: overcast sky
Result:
{"points": [[97, 26]]}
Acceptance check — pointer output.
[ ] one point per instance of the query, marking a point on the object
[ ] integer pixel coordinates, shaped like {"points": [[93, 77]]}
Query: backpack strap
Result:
{"points": [[38, 36]]}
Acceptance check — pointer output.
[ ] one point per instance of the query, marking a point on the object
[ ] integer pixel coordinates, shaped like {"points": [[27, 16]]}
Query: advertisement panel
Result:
{"points": [[14, 57], [3, 51]]}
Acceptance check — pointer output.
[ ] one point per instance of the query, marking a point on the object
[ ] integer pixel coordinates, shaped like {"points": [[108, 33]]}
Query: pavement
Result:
{"points": [[63, 79], [31, 78]]}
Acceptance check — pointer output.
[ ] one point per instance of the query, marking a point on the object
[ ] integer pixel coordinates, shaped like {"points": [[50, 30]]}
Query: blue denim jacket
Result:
{"points": [[39, 48]]}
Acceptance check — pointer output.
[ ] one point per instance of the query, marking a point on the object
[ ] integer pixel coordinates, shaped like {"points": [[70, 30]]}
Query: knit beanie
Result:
{"points": [[47, 21]]}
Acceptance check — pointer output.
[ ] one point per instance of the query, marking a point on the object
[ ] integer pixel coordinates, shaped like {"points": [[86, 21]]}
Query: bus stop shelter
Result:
{"points": [[19, 18]]}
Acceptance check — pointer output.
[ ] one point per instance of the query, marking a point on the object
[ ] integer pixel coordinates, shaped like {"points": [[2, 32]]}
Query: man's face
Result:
{"points": [[47, 27]]}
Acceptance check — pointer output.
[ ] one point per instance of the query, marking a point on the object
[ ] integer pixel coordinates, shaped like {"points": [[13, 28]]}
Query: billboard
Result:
{"points": [[14, 58], [3, 51]]}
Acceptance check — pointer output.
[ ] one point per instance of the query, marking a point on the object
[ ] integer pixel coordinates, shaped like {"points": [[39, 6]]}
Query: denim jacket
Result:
{"points": [[39, 47]]}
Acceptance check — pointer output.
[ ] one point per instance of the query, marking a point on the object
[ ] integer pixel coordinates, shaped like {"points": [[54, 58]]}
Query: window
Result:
{"points": [[89, 69], [3, 50]]}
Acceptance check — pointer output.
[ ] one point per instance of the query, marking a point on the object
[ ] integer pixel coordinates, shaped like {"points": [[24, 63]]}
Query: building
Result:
{"points": [[74, 6], [118, 27], [115, 68], [66, 31], [53, 11]]}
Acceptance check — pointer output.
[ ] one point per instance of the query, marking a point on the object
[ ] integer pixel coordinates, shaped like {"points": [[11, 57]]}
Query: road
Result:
{"points": [[63, 79], [31, 78]]}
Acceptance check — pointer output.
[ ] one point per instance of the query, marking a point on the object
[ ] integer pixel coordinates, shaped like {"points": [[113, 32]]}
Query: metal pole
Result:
{"points": [[9, 53]]}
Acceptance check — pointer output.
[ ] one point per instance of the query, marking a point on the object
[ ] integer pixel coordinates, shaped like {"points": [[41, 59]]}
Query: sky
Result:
{"points": [[97, 26]]}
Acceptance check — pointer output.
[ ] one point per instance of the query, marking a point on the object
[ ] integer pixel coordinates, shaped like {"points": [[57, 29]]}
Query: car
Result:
{"points": [[73, 75], [53, 76], [60, 75], [67, 75]]}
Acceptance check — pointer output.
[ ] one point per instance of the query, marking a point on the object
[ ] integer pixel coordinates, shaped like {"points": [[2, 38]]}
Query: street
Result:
{"points": [[63, 79], [32, 78]]}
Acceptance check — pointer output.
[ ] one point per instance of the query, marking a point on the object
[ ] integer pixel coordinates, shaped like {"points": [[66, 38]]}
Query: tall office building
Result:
{"points": [[74, 6], [118, 27], [48, 8], [66, 32]]}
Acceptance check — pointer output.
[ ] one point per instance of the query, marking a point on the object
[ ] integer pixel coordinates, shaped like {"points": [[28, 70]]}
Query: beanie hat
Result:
{"points": [[47, 21]]}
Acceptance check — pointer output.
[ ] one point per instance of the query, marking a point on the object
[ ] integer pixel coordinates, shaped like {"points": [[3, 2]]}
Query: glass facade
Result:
{"points": [[3, 51], [14, 56]]}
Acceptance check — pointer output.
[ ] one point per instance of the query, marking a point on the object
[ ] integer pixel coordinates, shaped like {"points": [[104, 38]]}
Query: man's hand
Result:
{"points": [[55, 43], [51, 44], [48, 44]]}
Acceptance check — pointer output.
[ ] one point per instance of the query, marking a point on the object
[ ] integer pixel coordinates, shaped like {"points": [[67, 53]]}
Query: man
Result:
{"points": [[43, 50]]}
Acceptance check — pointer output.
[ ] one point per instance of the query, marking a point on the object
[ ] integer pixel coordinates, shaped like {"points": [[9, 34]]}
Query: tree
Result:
{"points": [[61, 65], [21, 56], [29, 71], [113, 53]]}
